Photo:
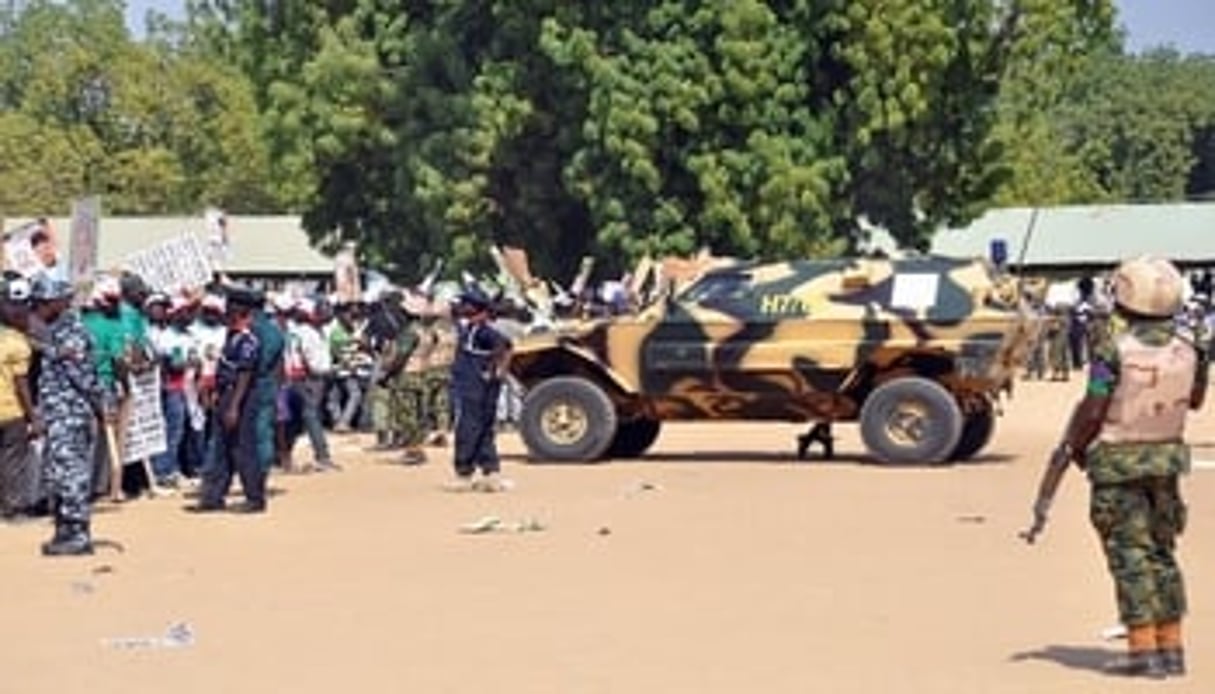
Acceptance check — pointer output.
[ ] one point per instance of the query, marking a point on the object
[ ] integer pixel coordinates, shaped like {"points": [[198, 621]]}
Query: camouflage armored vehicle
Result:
{"points": [[914, 350]]}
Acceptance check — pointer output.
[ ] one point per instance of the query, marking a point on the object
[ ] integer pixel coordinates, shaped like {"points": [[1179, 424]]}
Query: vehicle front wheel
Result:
{"points": [[567, 419], [634, 437], [911, 420]]}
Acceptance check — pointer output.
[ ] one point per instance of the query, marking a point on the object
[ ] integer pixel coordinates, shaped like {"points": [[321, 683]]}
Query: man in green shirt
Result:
{"points": [[119, 334]]}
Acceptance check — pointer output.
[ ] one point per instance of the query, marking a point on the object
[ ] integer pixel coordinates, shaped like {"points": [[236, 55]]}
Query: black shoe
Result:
{"points": [[74, 541], [1173, 660], [201, 507], [803, 446], [250, 507], [1148, 664]]}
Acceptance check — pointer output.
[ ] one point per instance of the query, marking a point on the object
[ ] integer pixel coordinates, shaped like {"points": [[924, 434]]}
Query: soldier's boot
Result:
{"points": [[1142, 658], [75, 541], [1172, 651], [820, 433]]}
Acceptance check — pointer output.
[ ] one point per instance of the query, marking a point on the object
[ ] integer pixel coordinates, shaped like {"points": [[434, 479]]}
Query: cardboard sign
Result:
{"points": [[82, 255], [175, 265], [219, 240], [346, 282], [145, 432], [19, 253]]}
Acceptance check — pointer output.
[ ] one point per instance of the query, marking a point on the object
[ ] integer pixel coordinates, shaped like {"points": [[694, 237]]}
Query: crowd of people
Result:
{"points": [[1072, 328], [242, 377]]}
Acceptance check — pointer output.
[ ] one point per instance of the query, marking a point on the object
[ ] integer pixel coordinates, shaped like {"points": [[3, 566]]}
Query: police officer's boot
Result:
{"points": [[74, 541]]}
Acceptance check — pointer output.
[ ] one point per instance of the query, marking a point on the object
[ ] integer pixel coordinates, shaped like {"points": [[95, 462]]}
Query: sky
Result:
{"points": [[1188, 25]]}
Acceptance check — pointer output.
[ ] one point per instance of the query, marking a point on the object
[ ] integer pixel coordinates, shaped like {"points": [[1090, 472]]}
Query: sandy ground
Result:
{"points": [[741, 570]]}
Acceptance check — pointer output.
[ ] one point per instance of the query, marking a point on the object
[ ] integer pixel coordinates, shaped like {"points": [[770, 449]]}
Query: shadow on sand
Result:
{"points": [[1073, 657], [767, 458]]}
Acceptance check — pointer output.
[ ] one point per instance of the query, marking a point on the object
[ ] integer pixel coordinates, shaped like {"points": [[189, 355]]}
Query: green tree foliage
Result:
{"points": [[761, 128], [1139, 126], [429, 128], [150, 126]]}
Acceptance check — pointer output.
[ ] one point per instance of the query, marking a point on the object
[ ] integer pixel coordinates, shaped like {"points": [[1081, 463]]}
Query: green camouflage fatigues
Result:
{"points": [[1136, 506], [404, 400], [437, 379], [1057, 349]]}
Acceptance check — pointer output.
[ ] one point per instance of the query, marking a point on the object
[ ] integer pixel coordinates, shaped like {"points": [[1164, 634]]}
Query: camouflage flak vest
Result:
{"points": [[1153, 394]]}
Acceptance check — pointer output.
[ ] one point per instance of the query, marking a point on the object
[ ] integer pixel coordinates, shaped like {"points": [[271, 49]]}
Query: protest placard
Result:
{"points": [[82, 254], [19, 255], [176, 264], [346, 282], [219, 240], [145, 430]]}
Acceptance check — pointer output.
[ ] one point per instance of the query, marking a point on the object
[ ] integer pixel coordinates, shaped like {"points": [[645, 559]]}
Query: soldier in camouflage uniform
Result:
{"points": [[394, 421], [438, 382], [407, 390], [70, 396], [1057, 345], [1128, 434]]}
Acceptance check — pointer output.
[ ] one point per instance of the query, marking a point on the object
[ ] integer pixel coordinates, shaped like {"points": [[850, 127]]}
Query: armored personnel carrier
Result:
{"points": [[914, 350]]}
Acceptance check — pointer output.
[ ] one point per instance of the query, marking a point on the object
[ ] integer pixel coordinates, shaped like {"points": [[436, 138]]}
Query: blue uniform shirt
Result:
{"points": [[472, 371], [241, 353]]}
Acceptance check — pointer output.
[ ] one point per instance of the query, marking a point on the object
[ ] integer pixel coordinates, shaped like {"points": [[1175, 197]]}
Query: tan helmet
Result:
{"points": [[1148, 286]]}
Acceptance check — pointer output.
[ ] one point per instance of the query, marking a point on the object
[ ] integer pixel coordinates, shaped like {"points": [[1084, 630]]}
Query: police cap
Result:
{"points": [[476, 299], [46, 288], [242, 296]]}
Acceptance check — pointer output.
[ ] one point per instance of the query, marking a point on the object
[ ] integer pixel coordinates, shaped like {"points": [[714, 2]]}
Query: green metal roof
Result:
{"points": [[1090, 235]]}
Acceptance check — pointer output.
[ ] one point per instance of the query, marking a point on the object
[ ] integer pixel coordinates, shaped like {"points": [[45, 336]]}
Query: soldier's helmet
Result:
{"points": [[1148, 286]]}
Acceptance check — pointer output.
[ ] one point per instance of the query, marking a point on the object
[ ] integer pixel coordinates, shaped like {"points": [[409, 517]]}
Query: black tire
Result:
{"points": [[634, 437], [977, 430], [911, 420], [589, 420]]}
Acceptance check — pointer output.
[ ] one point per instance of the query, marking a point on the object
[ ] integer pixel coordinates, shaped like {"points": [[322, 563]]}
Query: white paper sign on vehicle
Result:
{"points": [[916, 290]]}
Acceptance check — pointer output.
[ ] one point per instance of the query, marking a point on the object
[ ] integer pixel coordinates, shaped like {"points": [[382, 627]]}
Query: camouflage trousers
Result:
{"points": [[1138, 523], [1035, 365], [68, 465], [407, 406], [437, 400], [1058, 355], [378, 400]]}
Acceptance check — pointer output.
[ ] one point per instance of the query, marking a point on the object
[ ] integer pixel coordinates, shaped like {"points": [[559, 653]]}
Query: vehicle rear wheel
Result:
{"points": [[977, 430], [911, 420], [567, 419], [634, 437]]}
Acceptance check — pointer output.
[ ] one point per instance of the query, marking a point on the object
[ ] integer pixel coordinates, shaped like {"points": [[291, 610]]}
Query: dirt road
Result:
{"points": [[719, 564]]}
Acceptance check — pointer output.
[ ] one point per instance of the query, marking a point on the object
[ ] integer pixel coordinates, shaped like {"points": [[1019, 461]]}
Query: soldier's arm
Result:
{"points": [[1202, 378], [406, 343], [1090, 413]]}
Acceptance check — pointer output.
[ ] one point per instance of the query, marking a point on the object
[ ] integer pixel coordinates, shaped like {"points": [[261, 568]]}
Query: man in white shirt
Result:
{"points": [[209, 334], [308, 353], [175, 350]]}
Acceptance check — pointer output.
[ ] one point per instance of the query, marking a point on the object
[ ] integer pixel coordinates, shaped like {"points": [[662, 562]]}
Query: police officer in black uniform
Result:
{"points": [[476, 383]]}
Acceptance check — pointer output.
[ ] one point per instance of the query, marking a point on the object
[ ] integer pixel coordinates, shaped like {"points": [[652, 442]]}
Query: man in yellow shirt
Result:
{"points": [[19, 482]]}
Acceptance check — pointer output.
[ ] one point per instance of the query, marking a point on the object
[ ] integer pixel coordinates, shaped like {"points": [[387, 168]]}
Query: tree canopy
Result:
{"points": [[763, 128]]}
